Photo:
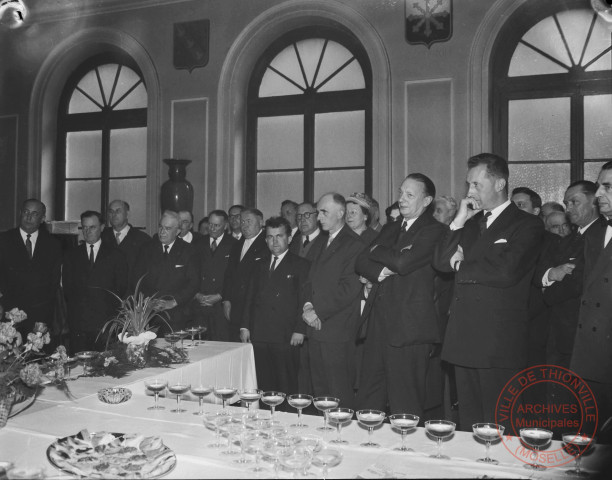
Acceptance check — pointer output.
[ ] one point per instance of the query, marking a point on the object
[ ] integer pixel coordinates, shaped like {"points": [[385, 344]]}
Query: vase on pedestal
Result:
{"points": [[177, 191]]}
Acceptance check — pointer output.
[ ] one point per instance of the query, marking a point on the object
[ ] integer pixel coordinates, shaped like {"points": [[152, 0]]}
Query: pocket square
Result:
{"points": [[407, 247], [501, 240], [289, 276], [179, 266]]}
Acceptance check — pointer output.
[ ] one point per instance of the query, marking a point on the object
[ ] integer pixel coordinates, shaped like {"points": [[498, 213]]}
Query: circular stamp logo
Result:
{"points": [[545, 401]]}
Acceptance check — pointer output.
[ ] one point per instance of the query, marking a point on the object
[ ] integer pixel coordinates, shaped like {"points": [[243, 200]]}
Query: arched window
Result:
{"points": [[102, 139], [552, 95], [309, 119]]}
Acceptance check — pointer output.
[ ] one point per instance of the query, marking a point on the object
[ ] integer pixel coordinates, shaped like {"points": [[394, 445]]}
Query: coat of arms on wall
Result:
{"points": [[428, 21], [191, 44]]}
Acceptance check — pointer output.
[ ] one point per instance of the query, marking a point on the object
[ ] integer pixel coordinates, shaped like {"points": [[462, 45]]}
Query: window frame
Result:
{"points": [[104, 120], [307, 104]]}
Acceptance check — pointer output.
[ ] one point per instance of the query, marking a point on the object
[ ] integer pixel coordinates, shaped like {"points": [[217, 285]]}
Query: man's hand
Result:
{"points": [[558, 273], [457, 257], [467, 209], [207, 300], [296, 339], [309, 315], [227, 309], [245, 335]]}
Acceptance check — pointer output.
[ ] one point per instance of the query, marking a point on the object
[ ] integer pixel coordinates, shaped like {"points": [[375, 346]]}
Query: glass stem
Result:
{"points": [[272, 412], [370, 430], [201, 400], [488, 446], [403, 432], [299, 417], [578, 461], [439, 447], [223, 400], [325, 471], [324, 419], [339, 427], [178, 402]]}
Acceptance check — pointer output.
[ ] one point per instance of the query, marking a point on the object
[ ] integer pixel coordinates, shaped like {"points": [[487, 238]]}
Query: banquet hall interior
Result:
{"points": [[254, 102]]}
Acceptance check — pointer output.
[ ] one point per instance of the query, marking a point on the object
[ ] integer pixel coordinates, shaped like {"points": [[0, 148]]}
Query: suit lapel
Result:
{"points": [[601, 253]]}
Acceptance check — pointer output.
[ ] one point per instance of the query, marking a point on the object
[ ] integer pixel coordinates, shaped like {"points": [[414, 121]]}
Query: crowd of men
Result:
{"points": [[446, 300]]}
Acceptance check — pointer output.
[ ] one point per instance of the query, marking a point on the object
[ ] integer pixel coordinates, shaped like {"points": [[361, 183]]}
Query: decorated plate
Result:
{"points": [[111, 455]]}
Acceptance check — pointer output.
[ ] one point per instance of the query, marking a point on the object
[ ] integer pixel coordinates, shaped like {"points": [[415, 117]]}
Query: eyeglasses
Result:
{"points": [[237, 215], [306, 215]]}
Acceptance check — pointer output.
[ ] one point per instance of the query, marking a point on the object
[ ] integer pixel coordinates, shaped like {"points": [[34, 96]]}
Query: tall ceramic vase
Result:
{"points": [[177, 191]]}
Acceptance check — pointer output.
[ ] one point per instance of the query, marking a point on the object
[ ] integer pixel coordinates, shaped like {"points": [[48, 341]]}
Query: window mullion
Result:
{"points": [[105, 170], [309, 151], [577, 136]]}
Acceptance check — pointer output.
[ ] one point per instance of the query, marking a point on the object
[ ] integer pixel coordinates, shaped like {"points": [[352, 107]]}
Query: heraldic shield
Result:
{"points": [[428, 21], [191, 44]]}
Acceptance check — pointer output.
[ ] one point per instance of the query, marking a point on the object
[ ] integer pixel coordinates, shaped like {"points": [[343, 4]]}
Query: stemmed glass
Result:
{"points": [[339, 417], [86, 358], [192, 331], [576, 444], [224, 393], [182, 335], [70, 361], [404, 422], [254, 443], [488, 432], [201, 391], [156, 385], [370, 419], [273, 400], [323, 404], [299, 401], [234, 428], [535, 438], [296, 458], [326, 458], [216, 420], [201, 330], [440, 429], [178, 389], [172, 338], [249, 396]]}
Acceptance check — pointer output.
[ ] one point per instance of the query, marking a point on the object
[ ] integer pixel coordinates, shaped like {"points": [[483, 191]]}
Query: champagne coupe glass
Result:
{"points": [[201, 330], [440, 429], [339, 417], [326, 458], [224, 393], [178, 389], [183, 334], [488, 432], [192, 331], [314, 443], [86, 357], [201, 391], [233, 428], [172, 338], [296, 459], [70, 361], [299, 401], [535, 438], [215, 420], [323, 404], [370, 419], [156, 385], [576, 444], [404, 422], [249, 396], [254, 444], [272, 399]]}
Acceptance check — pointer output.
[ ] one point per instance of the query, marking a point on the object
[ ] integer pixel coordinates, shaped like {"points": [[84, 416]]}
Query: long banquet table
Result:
{"points": [[26, 437]]}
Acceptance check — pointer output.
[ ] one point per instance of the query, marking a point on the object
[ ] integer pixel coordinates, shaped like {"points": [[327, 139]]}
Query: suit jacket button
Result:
{"points": [[594, 329]]}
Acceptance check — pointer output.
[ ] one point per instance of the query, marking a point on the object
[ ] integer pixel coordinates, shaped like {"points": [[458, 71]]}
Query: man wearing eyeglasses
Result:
{"points": [[234, 221], [308, 229], [30, 262]]}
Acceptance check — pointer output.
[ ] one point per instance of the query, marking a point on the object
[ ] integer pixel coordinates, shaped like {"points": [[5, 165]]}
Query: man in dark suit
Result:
{"points": [[241, 265], [403, 324], [186, 232], [128, 239], [331, 295], [591, 356], [234, 227], [30, 267], [272, 319], [92, 273], [215, 256], [289, 212], [492, 246], [169, 267]]}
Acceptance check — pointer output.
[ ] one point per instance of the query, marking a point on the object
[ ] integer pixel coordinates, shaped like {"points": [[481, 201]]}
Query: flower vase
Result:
{"points": [[137, 354], [6, 402], [177, 191]]}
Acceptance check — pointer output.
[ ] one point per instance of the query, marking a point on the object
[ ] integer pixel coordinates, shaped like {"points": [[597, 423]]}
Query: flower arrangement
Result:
{"points": [[23, 366]]}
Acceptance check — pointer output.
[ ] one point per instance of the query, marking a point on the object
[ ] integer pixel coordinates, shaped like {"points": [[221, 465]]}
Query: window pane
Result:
{"points": [[107, 76], [575, 25], [133, 191], [591, 170], [128, 152], [273, 85], [136, 99], [598, 126], [280, 142], [545, 36], [549, 181], [599, 41], [526, 61], [344, 182], [310, 52], [539, 129], [79, 103], [339, 139], [82, 195], [89, 84], [274, 187], [83, 154], [127, 79], [350, 77], [335, 56]]}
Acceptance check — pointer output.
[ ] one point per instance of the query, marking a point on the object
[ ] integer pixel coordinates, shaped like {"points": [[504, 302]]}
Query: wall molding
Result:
{"points": [[236, 72]]}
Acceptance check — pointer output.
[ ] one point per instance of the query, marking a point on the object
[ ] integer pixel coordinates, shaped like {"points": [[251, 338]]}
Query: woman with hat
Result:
{"points": [[358, 216]]}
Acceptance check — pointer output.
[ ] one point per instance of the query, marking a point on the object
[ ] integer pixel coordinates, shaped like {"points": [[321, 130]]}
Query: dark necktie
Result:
{"points": [[213, 245], [91, 255], [166, 252], [117, 237], [404, 226], [307, 241], [29, 246], [482, 223], [273, 265]]}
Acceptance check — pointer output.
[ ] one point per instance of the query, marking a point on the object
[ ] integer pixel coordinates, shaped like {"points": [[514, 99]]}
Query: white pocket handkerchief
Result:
{"points": [[501, 240], [407, 247], [179, 266]]}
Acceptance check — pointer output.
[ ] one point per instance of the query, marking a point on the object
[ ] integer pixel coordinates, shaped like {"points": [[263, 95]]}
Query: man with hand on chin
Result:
{"points": [[493, 247]]}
